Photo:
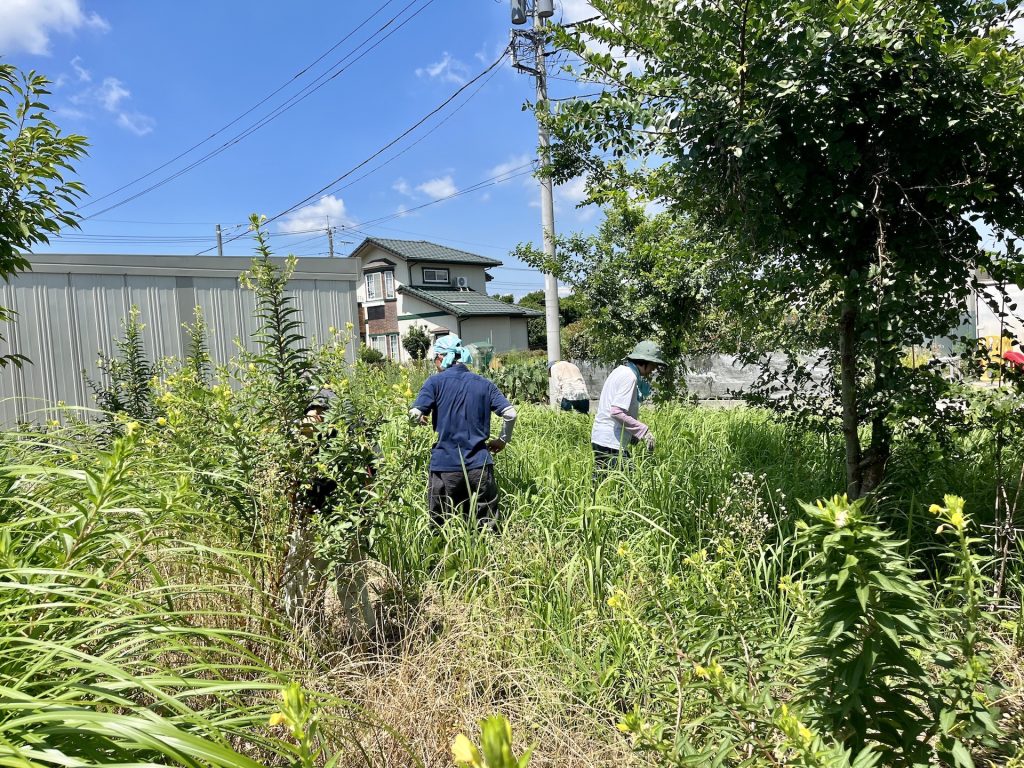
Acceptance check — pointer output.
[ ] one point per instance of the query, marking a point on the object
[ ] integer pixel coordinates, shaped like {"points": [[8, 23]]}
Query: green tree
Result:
{"points": [[636, 278], [844, 150], [569, 311], [416, 342], [35, 197]]}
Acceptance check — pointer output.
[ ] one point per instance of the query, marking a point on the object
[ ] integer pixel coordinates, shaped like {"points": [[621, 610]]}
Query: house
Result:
{"points": [[406, 283]]}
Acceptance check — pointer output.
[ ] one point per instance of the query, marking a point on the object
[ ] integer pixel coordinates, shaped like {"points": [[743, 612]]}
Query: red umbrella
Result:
{"points": [[1014, 357]]}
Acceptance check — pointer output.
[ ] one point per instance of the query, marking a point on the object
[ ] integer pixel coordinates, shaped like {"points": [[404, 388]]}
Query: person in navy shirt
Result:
{"points": [[459, 404]]}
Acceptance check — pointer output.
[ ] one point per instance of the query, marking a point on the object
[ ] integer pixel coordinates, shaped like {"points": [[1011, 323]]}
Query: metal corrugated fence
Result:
{"points": [[70, 307]]}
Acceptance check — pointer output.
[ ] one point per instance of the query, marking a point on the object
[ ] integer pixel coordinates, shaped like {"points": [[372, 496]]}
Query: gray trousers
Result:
{"points": [[450, 492]]}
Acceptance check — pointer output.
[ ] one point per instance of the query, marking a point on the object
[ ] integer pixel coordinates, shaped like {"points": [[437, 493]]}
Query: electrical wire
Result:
{"points": [[383, 149], [279, 110], [251, 109]]}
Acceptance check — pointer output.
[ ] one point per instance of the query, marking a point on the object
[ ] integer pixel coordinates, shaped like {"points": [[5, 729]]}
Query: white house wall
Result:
{"points": [[475, 275], [989, 322], [495, 329], [416, 312], [519, 335], [71, 307]]}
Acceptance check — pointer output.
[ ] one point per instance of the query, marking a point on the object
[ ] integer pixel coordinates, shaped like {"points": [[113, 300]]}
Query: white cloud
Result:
{"points": [[136, 122], [316, 216], [110, 96], [572, 193], [26, 25], [578, 10], [70, 113], [567, 197], [514, 163], [564, 290], [438, 188], [112, 93], [487, 54], [84, 76], [401, 186], [575, 10], [447, 70]]}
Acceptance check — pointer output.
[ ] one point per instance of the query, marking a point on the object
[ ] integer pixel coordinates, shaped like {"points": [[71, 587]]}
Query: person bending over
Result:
{"points": [[459, 404]]}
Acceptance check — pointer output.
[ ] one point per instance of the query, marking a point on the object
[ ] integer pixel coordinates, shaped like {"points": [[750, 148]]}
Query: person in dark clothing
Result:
{"points": [[459, 404], [316, 497]]}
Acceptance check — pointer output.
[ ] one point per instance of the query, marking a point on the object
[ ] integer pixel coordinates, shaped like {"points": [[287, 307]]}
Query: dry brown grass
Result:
{"points": [[443, 675]]}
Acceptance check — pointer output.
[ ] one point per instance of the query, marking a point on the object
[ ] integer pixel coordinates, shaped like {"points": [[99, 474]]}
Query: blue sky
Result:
{"points": [[146, 81]]}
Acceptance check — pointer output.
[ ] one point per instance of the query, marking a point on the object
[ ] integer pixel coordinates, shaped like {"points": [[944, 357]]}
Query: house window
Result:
{"points": [[386, 344], [389, 285], [373, 291], [435, 275]]}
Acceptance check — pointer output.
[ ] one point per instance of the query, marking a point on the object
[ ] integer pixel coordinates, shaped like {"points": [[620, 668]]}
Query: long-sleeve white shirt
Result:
{"points": [[568, 382]]}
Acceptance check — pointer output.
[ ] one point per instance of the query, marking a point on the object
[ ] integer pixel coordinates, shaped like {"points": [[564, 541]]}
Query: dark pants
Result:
{"points": [[608, 458], [450, 492], [580, 406]]}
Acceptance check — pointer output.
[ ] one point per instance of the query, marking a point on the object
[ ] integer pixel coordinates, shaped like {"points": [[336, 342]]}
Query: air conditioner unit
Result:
{"points": [[462, 282]]}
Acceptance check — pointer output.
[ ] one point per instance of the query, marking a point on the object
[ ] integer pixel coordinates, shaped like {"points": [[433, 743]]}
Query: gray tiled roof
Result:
{"points": [[465, 303], [421, 250]]}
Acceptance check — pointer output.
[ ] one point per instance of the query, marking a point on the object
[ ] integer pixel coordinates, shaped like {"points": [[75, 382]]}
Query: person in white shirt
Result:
{"points": [[616, 425], [568, 388]]}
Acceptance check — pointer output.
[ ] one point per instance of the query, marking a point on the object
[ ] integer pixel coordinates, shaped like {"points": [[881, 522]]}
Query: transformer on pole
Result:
{"points": [[527, 44]]}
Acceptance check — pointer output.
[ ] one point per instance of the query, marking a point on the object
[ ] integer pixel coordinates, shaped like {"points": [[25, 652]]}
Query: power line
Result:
{"points": [[431, 130], [280, 109], [383, 149], [494, 180], [251, 109]]}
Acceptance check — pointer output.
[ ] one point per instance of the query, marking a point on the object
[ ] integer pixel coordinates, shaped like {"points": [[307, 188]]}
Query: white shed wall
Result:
{"points": [[71, 307]]}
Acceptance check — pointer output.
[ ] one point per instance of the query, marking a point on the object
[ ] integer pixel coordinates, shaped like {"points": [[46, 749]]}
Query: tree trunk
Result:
{"points": [[848, 389], [876, 457]]}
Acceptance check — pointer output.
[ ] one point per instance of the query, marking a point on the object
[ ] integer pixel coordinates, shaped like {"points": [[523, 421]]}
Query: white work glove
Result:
{"points": [[649, 441]]}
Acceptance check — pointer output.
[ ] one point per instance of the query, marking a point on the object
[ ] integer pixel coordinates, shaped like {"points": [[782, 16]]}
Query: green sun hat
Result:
{"points": [[648, 351]]}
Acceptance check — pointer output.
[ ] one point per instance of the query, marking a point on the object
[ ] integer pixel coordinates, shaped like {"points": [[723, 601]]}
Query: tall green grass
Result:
{"points": [[130, 634], [140, 605]]}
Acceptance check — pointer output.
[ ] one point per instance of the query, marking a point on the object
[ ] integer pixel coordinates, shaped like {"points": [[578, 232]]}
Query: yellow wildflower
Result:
{"points": [[278, 718], [464, 751], [617, 600], [161, 420], [935, 509]]}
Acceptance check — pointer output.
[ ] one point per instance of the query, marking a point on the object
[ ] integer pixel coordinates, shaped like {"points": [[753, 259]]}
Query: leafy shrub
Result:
{"points": [[128, 388], [370, 355], [416, 342], [522, 383]]}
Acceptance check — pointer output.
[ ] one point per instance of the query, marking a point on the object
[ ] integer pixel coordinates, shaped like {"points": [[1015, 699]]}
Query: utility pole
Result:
{"points": [[522, 42], [220, 242], [330, 240]]}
